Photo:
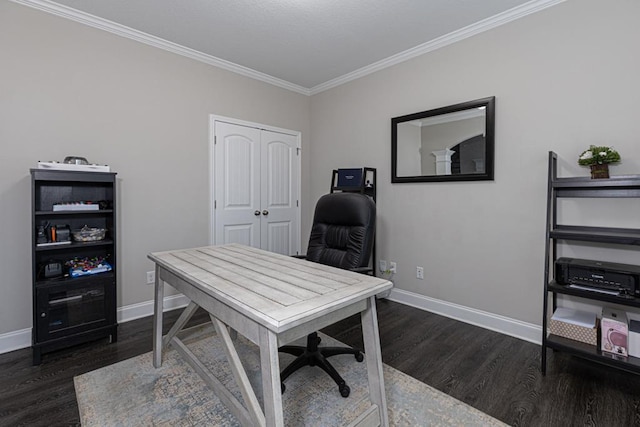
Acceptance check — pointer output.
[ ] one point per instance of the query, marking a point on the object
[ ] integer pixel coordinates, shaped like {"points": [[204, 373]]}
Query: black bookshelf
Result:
{"points": [[627, 186], [72, 310]]}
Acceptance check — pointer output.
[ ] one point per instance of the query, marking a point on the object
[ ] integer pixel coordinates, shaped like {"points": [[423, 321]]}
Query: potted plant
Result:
{"points": [[598, 159]]}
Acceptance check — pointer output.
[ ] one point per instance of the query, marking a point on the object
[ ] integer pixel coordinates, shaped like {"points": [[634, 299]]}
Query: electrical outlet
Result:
{"points": [[382, 265], [151, 277], [392, 266], [420, 273]]}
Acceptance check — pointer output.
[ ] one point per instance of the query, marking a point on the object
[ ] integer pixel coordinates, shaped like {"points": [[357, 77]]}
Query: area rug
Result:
{"points": [[134, 393]]}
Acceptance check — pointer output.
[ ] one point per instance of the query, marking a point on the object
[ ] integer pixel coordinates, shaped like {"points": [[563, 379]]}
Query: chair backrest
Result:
{"points": [[343, 228]]}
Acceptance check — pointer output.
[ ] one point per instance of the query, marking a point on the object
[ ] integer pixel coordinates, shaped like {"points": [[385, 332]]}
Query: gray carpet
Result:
{"points": [[134, 393]]}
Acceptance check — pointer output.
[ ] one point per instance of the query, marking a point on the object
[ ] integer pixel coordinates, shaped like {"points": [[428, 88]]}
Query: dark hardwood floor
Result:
{"points": [[494, 373]]}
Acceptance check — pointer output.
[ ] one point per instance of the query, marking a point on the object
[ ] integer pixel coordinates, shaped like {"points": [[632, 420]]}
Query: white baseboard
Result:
{"points": [[16, 340], [144, 309], [505, 325]]}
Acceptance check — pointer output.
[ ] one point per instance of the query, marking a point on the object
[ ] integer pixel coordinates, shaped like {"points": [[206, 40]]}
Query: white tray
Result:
{"points": [[73, 167]]}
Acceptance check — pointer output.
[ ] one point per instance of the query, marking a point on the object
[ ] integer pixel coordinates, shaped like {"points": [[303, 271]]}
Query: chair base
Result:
{"points": [[312, 355]]}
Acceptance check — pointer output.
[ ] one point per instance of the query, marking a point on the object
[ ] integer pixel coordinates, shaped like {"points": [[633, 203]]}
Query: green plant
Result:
{"points": [[598, 155]]}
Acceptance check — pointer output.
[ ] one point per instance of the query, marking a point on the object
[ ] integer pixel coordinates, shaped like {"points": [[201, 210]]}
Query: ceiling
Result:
{"points": [[303, 45]]}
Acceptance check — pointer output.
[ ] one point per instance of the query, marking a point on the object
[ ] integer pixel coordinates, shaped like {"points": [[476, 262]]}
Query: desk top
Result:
{"points": [[276, 290]]}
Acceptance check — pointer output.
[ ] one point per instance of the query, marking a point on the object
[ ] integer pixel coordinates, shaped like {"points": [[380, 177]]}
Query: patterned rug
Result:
{"points": [[134, 393]]}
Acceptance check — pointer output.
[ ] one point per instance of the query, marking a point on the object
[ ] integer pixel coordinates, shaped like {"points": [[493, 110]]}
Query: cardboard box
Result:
{"points": [[615, 332], [576, 325]]}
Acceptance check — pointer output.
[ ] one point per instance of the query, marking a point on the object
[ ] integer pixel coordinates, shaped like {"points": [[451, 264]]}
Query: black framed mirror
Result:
{"points": [[453, 143]]}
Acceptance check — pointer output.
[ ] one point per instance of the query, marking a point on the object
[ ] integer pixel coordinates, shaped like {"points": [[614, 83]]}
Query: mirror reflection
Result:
{"points": [[449, 143]]}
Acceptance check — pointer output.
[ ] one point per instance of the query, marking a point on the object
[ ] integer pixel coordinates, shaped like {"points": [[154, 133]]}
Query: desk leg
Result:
{"points": [[157, 320], [374, 359], [270, 367]]}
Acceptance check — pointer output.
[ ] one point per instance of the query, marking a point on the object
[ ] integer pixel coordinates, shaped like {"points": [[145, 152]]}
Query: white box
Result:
{"points": [[73, 167], [76, 207], [634, 338]]}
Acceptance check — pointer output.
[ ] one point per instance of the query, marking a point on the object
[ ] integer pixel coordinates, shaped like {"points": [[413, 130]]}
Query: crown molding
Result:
{"points": [[453, 37], [139, 36], [445, 40]]}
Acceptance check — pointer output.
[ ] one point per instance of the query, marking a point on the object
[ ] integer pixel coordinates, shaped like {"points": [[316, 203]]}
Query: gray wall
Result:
{"points": [[68, 89], [563, 78]]}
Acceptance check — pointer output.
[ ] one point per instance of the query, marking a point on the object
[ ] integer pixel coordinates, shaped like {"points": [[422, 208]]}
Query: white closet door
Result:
{"points": [[279, 192], [237, 184], [256, 188]]}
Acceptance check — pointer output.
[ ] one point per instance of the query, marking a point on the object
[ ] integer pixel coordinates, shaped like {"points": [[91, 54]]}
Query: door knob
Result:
{"points": [[265, 212], [256, 213]]}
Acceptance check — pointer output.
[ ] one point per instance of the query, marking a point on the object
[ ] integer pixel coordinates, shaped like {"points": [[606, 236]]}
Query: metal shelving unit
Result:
{"points": [[584, 187]]}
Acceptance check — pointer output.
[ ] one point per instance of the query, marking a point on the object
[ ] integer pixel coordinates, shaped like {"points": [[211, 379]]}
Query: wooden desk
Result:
{"points": [[272, 300]]}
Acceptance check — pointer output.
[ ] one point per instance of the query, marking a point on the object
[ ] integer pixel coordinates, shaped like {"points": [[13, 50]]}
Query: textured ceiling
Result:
{"points": [[307, 43]]}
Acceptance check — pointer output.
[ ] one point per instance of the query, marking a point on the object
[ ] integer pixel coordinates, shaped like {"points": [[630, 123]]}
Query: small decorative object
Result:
{"points": [[87, 266], [75, 160], [598, 159], [88, 234]]}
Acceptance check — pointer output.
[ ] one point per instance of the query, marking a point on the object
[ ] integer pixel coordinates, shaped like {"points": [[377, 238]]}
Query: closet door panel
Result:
{"points": [[279, 192], [237, 184]]}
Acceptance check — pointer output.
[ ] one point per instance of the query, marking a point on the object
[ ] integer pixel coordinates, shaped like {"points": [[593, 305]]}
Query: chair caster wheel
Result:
{"points": [[282, 387], [344, 390], [359, 357]]}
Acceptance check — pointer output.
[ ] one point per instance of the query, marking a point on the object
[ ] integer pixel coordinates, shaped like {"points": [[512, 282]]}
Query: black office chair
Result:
{"points": [[342, 236]]}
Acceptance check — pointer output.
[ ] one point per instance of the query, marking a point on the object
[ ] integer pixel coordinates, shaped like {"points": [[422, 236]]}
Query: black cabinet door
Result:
{"points": [[76, 306]]}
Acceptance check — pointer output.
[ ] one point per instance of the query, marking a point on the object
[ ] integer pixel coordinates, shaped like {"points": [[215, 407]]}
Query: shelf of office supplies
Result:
{"points": [[74, 246], [74, 213], [49, 187], [70, 281], [627, 186]]}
